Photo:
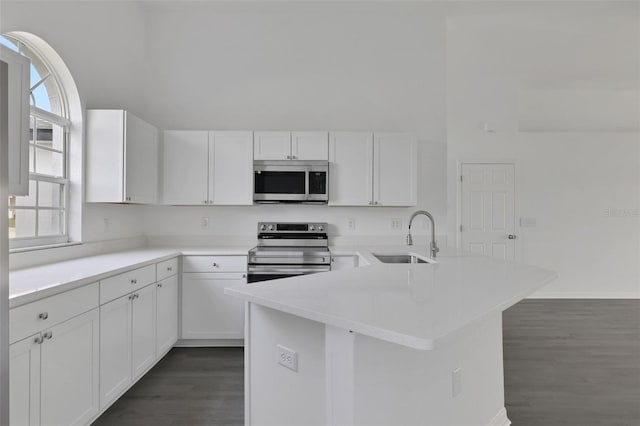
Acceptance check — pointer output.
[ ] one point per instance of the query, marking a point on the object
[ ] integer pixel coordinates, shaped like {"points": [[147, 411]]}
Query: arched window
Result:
{"points": [[42, 217]]}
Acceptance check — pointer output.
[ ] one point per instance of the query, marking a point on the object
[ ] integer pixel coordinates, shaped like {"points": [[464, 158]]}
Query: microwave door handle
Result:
{"points": [[306, 183]]}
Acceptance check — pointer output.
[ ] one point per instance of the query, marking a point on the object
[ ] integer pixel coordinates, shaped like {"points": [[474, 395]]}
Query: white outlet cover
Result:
{"points": [[287, 357]]}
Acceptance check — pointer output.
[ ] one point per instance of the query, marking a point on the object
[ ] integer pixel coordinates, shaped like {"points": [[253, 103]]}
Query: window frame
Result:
{"points": [[36, 113]]}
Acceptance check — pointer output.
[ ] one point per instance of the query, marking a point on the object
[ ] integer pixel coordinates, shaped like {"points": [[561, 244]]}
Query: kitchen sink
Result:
{"points": [[399, 258]]}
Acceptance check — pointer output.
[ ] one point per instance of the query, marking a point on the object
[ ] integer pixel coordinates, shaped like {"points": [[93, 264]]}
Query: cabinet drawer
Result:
{"points": [[166, 269], [34, 317], [119, 285], [214, 263]]}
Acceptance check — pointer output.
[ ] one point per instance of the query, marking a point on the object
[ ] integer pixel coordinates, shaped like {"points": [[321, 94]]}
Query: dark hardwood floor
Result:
{"points": [[572, 362], [567, 363]]}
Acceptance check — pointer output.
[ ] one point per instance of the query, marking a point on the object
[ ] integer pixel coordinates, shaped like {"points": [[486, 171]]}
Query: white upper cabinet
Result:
{"points": [[310, 146], [122, 158], [231, 168], [290, 146], [372, 170], [272, 146], [185, 167], [395, 169], [18, 70], [201, 167], [350, 168]]}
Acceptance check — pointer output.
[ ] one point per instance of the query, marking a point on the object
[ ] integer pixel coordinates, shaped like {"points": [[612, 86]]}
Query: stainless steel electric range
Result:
{"points": [[289, 249]]}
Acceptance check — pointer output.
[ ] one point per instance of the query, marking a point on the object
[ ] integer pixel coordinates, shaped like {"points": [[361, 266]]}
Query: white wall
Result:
{"points": [[300, 66], [103, 45], [536, 75]]}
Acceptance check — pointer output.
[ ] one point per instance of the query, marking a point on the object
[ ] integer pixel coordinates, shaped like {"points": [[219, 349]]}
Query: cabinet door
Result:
{"points": [[395, 169], [115, 349], [69, 371], [18, 120], [105, 156], [144, 330], [24, 382], [231, 168], [141, 161], [272, 146], [343, 262], [208, 313], [185, 167], [166, 314], [350, 168], [310, 146]]}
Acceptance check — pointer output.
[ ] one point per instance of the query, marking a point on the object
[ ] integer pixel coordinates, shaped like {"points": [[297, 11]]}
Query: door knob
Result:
{"points": [[512, 236]]}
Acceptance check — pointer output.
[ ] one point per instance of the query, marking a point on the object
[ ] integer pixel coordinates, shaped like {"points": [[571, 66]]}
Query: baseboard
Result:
{"points": [[209, 343], [500, 419]]}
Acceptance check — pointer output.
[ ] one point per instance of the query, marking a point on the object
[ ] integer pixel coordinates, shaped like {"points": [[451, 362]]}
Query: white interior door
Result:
{"points": [[488, 209]]}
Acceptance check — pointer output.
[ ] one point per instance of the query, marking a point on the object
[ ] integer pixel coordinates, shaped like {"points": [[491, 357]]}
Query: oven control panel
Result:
{"points": [[297, 227]]}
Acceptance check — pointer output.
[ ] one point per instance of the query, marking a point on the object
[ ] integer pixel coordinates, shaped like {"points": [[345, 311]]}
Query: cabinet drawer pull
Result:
{"points": [[215, 265], [38, 340], [159, 285], [170, 268], [43, 316], [48, 335], [244, 275], [134, 281]]}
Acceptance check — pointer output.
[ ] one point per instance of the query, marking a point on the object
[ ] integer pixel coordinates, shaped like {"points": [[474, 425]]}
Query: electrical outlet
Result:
{"points": [[456, 382], [396, 223], [351, 224], [287, 358], [205, 222]]}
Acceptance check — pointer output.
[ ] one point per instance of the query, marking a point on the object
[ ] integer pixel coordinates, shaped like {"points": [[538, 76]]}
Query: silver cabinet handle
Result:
{"points": [[48, 335], [170, 268], [131, 297], [128, 198], [288, 157], [204, 201], [295, 157], [159, 285], [134, 281], [244, 275], [135, 296], [43, 316], [38, 340], [376, 203], [511, 236], [215, 265]]}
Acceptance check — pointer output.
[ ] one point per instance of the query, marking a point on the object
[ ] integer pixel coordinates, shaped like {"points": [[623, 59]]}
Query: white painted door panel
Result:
{"points": [[141, 161], [231, 168], [24, 382], [488, 209], [185, 167], [18, 119], [310, 146], [350, 168], [166, 314], [395, 167], [144, 330], [115, 349], [208, 313], [69, 372], [272, 146]]}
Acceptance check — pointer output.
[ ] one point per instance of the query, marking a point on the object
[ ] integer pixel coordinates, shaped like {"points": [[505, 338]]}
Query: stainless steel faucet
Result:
{"points": [[434, 245]]}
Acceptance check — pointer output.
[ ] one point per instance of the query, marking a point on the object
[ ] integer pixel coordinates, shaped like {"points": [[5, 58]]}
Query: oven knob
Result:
{"points": [[312, 228], [263, 227], [320, 228], [270, 227]]}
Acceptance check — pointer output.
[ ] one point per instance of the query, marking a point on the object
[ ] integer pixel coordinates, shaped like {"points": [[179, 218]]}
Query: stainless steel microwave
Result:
{"points": [[290, 181]]}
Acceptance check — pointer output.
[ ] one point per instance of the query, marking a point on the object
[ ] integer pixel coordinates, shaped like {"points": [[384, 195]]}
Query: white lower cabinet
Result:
{"points": [[208, 313], [24, 382], [127, 341], [54, 374], [69, 371], [166, 314]]}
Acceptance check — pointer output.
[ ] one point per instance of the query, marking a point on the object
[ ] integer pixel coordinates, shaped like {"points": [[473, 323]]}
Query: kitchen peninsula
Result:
{"points": [[384, 344]]}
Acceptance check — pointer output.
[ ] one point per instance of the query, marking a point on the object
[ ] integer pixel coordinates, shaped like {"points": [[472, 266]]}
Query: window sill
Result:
{"points": [[45, 247]]}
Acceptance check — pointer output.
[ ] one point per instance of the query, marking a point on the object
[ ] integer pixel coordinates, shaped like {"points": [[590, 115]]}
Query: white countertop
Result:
{"points": [[409, 304]]}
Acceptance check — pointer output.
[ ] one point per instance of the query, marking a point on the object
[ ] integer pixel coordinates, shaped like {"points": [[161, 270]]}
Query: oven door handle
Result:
{"points": [[286, 270]]}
